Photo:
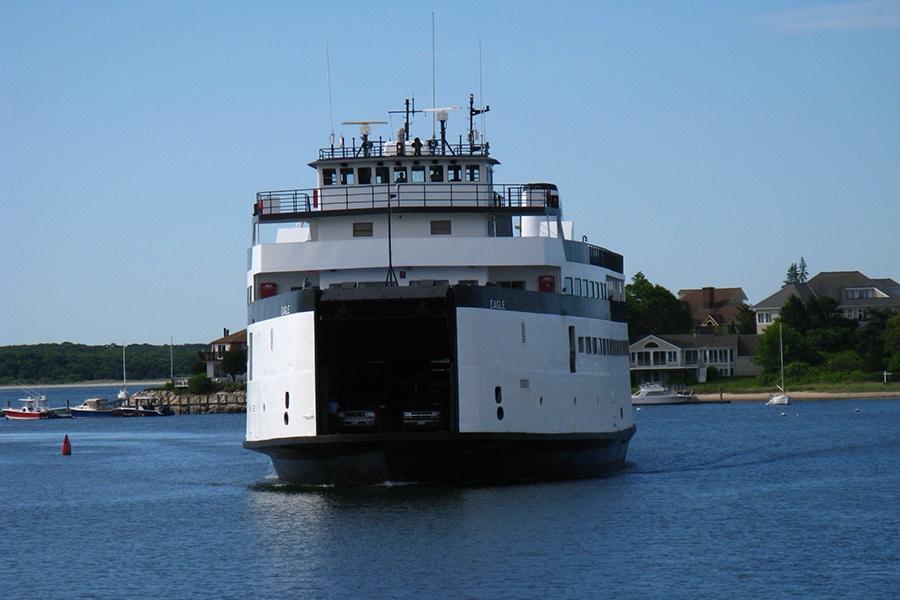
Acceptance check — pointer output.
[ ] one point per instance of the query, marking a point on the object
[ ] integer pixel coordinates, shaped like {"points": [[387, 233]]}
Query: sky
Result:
{"points": [[710, 143]]}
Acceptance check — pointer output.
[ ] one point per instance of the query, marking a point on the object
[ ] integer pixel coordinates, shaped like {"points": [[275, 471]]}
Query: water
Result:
{"points": [[717, 501]]}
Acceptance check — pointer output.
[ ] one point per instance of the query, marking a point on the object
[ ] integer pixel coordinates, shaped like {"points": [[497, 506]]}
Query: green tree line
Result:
{"points": [[72, 363]]}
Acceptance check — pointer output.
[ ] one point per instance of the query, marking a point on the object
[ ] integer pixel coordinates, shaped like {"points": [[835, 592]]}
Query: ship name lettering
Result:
{"points": [[498, 304]]}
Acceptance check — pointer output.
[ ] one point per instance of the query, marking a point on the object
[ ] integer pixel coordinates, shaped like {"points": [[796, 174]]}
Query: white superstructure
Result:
{"points": [[411, 319]]}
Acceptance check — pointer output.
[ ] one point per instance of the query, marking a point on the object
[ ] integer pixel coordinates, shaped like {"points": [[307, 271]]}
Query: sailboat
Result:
{"points": [[782, 398]]}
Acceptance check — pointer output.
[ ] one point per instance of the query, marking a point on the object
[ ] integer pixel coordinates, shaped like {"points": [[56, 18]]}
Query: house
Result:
{"points": [[687, 357], [714, 310], [855, 293], [218, 348]]}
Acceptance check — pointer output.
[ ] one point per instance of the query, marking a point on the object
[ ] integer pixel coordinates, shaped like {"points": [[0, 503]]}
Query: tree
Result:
{"points": [[795, 314], [654, 309], [796, 273], [234, 362], [797, 348], [746, 322], [200, 384]]}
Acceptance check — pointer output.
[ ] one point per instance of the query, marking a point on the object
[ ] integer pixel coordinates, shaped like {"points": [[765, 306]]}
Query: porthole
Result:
{"points": [[287, 400], [499, 413], [286, 418]]}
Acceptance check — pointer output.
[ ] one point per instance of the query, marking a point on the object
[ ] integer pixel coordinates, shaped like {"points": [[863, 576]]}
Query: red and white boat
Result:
{"points": [[33, 407]]}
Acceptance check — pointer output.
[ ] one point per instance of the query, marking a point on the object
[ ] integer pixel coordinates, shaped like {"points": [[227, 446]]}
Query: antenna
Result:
{"points": [[433, 71], [364, 130], [473, 133], [442, 116], [330, 112], [410, 109]]}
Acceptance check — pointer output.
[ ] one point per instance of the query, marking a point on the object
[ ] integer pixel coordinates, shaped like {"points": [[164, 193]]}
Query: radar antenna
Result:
{"points": [[442, 117], [364, 130]]}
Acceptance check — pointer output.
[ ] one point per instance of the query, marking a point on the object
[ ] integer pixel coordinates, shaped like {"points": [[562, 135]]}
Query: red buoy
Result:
{"points": [[67, 447]]}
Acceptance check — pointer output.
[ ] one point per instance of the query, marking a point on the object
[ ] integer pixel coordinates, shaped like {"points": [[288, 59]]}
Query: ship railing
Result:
{"points": [[284, 204], [386, 148]]}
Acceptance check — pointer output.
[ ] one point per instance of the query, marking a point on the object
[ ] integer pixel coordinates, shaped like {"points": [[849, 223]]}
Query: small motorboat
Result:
{"points": [[33, 407], [94, 407], [143, 407], [657, 393]]}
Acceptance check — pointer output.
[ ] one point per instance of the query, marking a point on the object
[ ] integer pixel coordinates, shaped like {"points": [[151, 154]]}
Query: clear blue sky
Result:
{"points": [[711, 143]]}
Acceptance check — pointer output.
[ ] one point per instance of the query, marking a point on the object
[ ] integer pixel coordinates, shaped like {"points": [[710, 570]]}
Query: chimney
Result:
{"points": [[224, 332], [709, 297]]}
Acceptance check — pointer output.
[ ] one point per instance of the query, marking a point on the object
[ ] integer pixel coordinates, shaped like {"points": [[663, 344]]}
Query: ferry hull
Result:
{"points": [[445, 458]]}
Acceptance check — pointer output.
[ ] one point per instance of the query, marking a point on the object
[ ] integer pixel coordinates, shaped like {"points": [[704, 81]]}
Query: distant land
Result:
{"points": [[67, 363]]}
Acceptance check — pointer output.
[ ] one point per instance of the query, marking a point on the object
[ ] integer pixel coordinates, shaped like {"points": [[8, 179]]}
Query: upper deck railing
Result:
{"points": [[288, 204], [382, 148]]}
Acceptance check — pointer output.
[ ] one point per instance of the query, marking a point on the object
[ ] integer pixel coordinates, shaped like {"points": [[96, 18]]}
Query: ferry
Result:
{"points": [[410, 319]]}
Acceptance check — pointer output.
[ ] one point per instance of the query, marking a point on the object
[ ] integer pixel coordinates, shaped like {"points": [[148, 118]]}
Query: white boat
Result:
{"points": [[782, 398], [411, 319], [33, 407], [657, 393], [94, 407]]}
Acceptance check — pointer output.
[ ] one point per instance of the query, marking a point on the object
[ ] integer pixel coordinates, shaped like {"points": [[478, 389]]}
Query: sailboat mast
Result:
{"points": [[781, 353]]}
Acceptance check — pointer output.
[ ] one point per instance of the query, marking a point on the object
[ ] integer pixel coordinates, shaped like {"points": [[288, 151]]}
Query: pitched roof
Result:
{"points": [[720, 304], [238, 337], [833, 284], [777, 300]]}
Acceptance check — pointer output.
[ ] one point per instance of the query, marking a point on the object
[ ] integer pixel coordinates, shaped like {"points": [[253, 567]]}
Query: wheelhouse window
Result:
{"points": [[418, 174], [435, 173], [362, 229], [382, 175], [454, 173], [364, 175], [400, 175], [473, 173], [329, 177], [347, 177], [440, 227]]}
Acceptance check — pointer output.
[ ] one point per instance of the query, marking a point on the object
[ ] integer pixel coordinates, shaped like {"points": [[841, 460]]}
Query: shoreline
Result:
{"points": [[798, 396], [87, 384]]}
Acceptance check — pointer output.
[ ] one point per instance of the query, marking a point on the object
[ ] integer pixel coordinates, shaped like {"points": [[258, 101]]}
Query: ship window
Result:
{"points": [[436, 173], [498, 395], [399, 174], [329, 177], [347, 177], [512, 285], [473, 173], [418, 174], [577, 290], [364, 175], [568, 288], [580, 345], [454, 173], [440, 228], [571, 348], [362, 229], [382, 175]]}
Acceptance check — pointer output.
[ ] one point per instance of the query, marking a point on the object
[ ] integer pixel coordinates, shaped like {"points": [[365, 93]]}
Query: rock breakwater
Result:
{"points": [[197, 404]]}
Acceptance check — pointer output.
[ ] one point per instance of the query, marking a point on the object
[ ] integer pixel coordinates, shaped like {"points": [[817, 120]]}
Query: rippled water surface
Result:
{"points": [[722, 500]]}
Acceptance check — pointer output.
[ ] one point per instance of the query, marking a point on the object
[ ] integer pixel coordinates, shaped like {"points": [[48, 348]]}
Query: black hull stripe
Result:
{"points": [[444, 458]]}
